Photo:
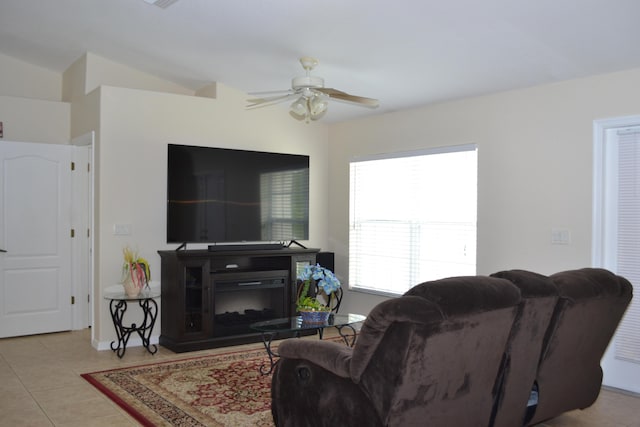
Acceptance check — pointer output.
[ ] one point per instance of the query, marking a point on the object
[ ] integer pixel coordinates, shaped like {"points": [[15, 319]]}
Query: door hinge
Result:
{"points": [[88, 167], [88, 232], [88, 298], [73, 300], [73, 233], [73, 166]]}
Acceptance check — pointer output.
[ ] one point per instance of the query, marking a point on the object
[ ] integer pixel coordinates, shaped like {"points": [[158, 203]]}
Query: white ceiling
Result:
{"points": [[406, 53]]}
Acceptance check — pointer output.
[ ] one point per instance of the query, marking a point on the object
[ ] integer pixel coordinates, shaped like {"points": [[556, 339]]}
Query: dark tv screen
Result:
{"points": [[220, 195]]}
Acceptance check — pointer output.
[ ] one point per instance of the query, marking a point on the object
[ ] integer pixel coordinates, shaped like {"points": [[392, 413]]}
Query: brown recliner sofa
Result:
{"points": [[417, 359], [428, 358]]}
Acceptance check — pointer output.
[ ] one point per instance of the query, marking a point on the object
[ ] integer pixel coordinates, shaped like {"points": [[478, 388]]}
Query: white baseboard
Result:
{"points": [[133, 342]]}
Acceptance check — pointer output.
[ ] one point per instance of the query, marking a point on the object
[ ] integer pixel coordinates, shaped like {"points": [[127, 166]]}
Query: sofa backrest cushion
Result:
{"points": [[464, 295], [431, 357], [376, 327], [513, 389]]}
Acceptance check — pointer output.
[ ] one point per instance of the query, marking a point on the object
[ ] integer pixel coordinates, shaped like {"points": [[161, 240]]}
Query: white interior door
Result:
{"points": [[35, 232], [616, 237]]}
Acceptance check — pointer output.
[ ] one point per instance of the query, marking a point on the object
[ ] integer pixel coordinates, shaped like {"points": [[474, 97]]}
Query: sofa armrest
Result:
{"points": [[332, 356], [305, 394]]}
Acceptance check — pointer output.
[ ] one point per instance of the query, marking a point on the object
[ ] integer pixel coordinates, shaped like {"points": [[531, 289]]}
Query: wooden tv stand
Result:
{"points": [[209, 298]]}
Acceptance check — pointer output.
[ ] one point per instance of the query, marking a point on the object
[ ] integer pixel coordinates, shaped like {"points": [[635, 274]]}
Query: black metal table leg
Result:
{"points": [[150, 310], [267, 338], [346, 337], [118, 307]]}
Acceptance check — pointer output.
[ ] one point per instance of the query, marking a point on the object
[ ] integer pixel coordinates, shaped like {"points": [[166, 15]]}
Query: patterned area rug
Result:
{"points": [[218, 390]]}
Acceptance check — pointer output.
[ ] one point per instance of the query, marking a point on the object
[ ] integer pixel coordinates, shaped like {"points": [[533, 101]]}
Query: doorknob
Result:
{"points": [[3, 250]]}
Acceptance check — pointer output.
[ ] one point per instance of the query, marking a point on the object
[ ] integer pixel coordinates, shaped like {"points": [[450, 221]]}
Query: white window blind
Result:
{"points": [[627, 345], [412, 218]]}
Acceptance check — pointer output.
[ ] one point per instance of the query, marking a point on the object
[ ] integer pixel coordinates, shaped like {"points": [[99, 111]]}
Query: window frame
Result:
{"points": [[352, 221]]}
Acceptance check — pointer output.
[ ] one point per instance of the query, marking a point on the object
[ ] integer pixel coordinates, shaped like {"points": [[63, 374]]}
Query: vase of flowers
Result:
{"points": [[312, 302], [135, 272]]}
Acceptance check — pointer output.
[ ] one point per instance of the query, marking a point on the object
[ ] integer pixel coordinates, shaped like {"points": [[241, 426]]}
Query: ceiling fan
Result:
{"points": [[311, 97]]}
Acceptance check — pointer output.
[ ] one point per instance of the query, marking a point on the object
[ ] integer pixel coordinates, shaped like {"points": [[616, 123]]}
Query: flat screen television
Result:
{"points": [[220, 195]]}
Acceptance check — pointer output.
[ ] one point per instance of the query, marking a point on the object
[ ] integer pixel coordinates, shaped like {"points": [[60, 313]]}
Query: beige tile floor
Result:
{"points": [[40, 385]]}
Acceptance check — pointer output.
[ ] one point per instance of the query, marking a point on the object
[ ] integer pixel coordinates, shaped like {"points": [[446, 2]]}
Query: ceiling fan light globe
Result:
{"points": [[318, 116], [318, 105], [297, 116], [299, 107]]}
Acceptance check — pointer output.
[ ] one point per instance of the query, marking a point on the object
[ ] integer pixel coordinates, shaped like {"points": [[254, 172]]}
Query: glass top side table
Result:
{"points": [[118, 306], [270, 329]]}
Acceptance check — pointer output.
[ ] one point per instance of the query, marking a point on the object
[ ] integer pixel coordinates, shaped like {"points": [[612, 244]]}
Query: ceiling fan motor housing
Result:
{"points": [[306, 81]]}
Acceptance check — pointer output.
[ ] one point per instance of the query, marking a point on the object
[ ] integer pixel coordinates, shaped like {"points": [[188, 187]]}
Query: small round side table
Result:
{"points": [[118, 305]]}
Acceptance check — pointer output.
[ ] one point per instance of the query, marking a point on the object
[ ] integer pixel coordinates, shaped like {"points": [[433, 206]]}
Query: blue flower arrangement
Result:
{"points": [[327, 282]]}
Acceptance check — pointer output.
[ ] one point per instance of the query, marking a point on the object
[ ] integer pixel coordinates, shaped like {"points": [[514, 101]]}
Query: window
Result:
{"points": [[412, 218]]}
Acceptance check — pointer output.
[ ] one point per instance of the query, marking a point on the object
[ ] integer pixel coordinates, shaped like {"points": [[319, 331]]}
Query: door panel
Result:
{"points": [[35, 224], [24, 294], [616, 171]]}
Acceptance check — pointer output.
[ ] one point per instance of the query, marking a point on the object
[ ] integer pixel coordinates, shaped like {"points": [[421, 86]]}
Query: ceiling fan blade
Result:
{"points": [[338, 94], [270, 92], [268, 99], [265, 102]]}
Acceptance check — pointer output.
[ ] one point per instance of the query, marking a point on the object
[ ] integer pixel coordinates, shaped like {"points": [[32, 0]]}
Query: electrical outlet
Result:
{"points": [[560, 236]]}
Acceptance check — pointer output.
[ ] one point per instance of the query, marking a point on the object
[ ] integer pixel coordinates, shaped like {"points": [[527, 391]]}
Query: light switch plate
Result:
{"points": [[121, 229]]}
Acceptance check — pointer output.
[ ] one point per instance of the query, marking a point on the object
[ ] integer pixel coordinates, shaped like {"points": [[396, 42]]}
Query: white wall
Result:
{"points": [[534, 171], [30, 103], [34, 120], [24, 80], [104, 72], [135, 128]]}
